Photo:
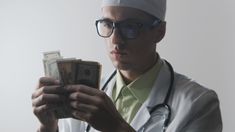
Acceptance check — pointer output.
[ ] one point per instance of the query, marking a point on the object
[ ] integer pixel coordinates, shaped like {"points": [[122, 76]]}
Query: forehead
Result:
{"points": [[117, 13]]}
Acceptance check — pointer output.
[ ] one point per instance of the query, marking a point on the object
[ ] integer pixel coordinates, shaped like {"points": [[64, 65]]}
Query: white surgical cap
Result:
{"points": [[156, 8]]}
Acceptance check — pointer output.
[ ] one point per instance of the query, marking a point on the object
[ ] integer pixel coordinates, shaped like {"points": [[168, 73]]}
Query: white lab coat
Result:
{"points": [[193, 107]]}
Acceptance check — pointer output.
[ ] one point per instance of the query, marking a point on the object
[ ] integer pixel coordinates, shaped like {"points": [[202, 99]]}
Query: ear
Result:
{"points": [[159, 32]]}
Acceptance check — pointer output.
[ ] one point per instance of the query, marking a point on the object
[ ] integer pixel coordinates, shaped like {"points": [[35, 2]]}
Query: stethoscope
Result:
{"points": [[162, 105]]}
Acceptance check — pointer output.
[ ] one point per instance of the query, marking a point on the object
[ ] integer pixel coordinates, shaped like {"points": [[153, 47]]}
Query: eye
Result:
{"points": [[130, 25], [106, 24]]}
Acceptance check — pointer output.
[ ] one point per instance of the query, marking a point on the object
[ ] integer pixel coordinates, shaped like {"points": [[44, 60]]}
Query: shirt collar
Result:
{"points": [[141, 86]]}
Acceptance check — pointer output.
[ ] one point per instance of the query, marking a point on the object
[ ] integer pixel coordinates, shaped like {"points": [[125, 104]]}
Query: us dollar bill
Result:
{"points": [[66, 69], [52, 55], [70, 71], [50, 64], [87, 73]]}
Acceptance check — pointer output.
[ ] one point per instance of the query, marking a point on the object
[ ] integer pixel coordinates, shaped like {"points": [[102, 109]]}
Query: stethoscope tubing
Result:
{"points": [[164, 104]]}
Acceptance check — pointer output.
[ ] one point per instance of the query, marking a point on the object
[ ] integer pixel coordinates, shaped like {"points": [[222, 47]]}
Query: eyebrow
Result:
{"points": [[128, 19], [105, 18]]}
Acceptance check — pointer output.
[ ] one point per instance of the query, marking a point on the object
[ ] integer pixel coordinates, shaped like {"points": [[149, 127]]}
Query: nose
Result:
{"points": [[116, 37]]}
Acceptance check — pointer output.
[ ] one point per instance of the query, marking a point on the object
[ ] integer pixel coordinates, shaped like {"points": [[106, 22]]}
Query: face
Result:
{"points": [[131, 54]]}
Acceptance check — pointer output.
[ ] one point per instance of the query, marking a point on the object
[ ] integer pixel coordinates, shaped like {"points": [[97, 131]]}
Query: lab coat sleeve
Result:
{"points": [[71, 125], [205, 115]]}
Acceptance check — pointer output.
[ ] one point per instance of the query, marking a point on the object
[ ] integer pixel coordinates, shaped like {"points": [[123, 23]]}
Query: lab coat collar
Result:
{"points": [[160, 87], [157, 96]]}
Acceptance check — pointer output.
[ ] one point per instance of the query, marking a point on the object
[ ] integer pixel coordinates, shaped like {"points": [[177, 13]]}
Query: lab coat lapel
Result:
{"points": [[157, 96], [110, 86]]}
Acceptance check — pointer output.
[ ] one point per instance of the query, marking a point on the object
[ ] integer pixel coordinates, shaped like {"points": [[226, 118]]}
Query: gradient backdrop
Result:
{"points": [[200, 42]]}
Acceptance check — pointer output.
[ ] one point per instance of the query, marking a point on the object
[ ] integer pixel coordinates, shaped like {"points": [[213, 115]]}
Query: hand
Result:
{"points": [[96, 108], [45, 100]]}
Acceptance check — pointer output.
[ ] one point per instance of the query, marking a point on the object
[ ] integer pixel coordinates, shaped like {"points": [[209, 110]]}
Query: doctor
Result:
{"points": [[144, 94]]}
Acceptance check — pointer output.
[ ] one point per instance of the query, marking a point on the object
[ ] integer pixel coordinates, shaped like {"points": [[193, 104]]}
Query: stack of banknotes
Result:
{"points": [[70, 71]]}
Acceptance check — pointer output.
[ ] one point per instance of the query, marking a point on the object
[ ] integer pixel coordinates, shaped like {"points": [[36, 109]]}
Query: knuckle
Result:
{"points": [[89, 117], [35, 111], [39, 110], [36, 102], [41, 80], [38, 86], [76, 96], [33, 103], [44, 88], [75, 113], [44, 108], [32, 96], [102, 95], [99, 102], [79, 88], [74, 88], [42, 98], [76, 105], [95, 110]]}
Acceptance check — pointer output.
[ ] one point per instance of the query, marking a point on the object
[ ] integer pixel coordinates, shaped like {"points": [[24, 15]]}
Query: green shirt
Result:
{"points": [[129, 98]]}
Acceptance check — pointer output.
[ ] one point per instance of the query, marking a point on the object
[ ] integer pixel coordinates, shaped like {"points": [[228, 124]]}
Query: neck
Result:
{"points": [[131, 75]]}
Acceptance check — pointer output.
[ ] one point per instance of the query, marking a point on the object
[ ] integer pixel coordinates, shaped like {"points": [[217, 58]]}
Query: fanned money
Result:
{"points": [[70, 71], [76, 71]]}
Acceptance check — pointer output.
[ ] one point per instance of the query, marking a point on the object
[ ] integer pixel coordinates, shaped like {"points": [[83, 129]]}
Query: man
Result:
{"points": [[144, 94]]}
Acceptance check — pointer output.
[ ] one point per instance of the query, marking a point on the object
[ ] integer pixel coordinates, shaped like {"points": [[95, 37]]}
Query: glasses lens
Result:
{"points": [[130, 30], [104, 28]]}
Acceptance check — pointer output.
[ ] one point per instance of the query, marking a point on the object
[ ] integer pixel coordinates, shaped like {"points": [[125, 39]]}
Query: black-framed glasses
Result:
{"points": [[128, 29]]}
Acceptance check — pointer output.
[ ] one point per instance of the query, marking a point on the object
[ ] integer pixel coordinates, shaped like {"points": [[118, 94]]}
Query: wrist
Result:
{"points": [[122, 126], [48, 128]]}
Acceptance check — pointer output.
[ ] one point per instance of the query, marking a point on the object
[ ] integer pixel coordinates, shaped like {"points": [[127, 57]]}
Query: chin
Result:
{"points": [[121, 66], [119, 63]]}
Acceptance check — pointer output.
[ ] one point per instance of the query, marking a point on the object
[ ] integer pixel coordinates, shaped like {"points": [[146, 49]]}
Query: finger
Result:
{"points": [[47, 89], [47, 81], [79, 115], [45, 108], [83, 89], [48, 99], [83, 107], [56, 89], [82, 98]]}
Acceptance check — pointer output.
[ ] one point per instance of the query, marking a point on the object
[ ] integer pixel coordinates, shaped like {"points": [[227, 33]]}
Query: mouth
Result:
{"points": [[118, 53]]}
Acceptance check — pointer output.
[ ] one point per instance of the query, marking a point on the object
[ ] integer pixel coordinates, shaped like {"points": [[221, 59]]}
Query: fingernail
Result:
{"points": [[57, 82]]}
